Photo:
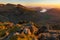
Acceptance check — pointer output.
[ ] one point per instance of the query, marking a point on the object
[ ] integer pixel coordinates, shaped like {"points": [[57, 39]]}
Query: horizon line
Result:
{"points": [[37, 4]]}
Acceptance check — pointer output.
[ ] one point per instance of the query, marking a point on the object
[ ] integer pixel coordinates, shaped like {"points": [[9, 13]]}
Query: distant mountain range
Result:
{"points": [[15, 13]]}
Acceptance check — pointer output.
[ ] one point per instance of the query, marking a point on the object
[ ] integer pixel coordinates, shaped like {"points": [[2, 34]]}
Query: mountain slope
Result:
{"points": [[15, 13], [55, 13]]}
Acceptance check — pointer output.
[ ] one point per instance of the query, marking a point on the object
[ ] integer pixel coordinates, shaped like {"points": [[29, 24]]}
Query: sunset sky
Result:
{"points": [[48, 3]]}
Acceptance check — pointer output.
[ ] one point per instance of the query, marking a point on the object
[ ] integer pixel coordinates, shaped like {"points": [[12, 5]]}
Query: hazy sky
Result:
{"points": [[31, 2]]}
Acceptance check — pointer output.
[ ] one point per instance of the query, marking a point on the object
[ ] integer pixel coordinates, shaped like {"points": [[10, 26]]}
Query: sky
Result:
{"points": [[33, 2]]}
